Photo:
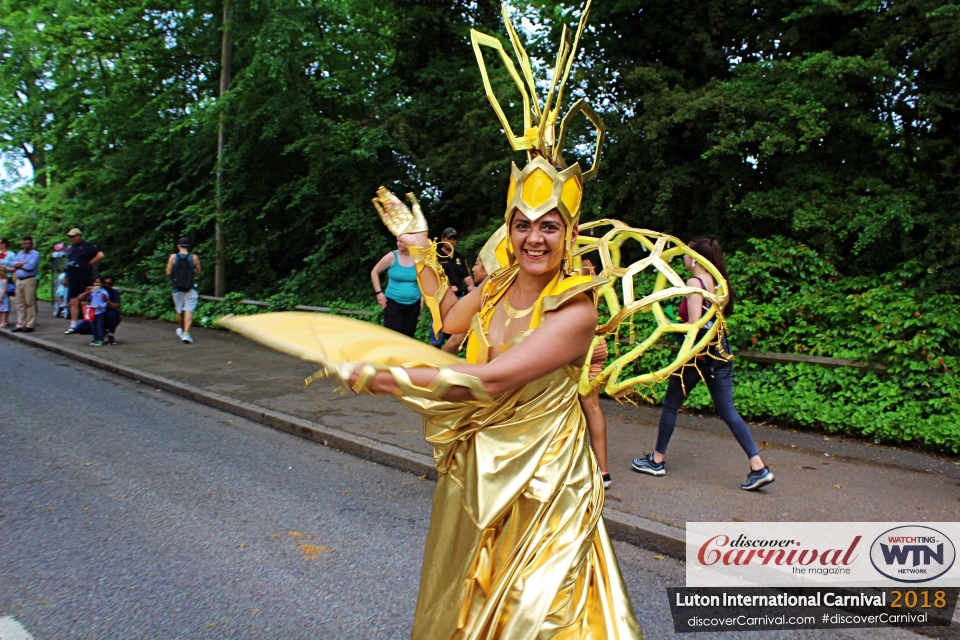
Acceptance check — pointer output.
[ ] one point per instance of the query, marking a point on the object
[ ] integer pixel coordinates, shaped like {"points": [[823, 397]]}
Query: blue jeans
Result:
{"points": [[99, 322], [719, 378], [438, 340]]}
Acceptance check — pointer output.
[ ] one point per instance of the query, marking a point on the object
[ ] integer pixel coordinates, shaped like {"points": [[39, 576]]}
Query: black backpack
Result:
{"points": [[183, 272]]}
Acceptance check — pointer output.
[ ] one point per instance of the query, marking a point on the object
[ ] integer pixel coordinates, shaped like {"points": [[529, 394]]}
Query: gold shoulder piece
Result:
{"points": [[569, 288]]}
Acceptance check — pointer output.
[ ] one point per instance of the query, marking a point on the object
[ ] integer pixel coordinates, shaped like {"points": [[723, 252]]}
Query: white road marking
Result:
{"points": [[10, 629]]}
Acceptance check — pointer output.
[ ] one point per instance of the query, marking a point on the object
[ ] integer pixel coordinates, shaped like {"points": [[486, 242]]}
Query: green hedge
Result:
{"points": [[791, 300]]}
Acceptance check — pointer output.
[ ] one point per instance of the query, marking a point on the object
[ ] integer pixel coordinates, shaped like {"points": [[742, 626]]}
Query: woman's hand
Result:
{"points": [[382, 300], [419, 239], [400, 219], [380, 382], [600, 352], [599, 357], [355, 375]]}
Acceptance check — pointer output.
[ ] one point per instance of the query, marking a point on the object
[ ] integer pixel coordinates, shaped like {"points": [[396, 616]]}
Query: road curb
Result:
{"points": [[635, 530]]}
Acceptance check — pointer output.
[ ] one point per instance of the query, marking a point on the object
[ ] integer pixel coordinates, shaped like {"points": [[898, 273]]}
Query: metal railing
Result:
{"points": [[261, 303], [763, 357]]}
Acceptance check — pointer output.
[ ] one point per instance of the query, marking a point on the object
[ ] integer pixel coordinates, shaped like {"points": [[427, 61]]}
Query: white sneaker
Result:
{"points": [[186, 338], [180, 333]]}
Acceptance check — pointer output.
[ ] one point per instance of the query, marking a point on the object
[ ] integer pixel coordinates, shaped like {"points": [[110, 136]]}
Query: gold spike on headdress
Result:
{"points": [[546, 182]]}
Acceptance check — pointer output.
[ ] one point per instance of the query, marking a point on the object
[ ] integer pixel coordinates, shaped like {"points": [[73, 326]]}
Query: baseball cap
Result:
{"points": [[183, 242], [73, 232], [449, 232]]}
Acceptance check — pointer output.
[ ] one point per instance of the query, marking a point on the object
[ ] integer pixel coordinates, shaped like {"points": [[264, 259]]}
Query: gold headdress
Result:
{"points": [[546, 182]]}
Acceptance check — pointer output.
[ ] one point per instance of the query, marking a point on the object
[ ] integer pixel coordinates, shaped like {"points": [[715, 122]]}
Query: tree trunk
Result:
{"points": [[226, 53], [37, 159]]}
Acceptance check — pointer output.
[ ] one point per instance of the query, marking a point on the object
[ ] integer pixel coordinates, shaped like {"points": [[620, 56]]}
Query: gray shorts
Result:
{"points": [[185, 300]]}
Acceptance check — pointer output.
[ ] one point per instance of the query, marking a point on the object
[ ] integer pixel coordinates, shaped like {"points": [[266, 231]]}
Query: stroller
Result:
{"points": [[60, 300], [58, 283]]}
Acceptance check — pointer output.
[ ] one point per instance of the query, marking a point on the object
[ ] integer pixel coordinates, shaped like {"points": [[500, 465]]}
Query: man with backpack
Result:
{"points": [[183, 266]]}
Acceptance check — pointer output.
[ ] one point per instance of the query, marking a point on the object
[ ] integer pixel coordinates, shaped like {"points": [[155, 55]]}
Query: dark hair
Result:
{"points": [[106, 276], [593, 257], [4, 241], [710, 249], [30, 238]]}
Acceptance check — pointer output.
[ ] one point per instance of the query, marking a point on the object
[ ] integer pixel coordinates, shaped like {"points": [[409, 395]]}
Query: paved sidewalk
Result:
{"points": [[856, 481]]}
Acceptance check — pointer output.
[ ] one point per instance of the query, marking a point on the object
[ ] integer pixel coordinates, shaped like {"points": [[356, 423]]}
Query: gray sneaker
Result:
{"points": [[180, 333], [648, 466], [757, 479], [186, 338]]}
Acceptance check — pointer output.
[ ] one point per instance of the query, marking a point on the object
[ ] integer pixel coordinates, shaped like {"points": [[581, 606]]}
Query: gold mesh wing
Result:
{"points": [[625, 302]]}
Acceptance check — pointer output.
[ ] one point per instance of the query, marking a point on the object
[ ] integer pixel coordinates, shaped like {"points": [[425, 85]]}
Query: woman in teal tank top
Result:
{"points": [[401, 300]]}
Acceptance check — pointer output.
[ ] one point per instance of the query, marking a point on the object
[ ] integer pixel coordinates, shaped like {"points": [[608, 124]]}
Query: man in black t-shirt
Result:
{"points": [[81, 259], [461, 282], [458, 273]]}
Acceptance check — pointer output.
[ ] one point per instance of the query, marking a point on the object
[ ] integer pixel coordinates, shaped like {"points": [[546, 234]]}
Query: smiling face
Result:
{"points": [[538, 244]]}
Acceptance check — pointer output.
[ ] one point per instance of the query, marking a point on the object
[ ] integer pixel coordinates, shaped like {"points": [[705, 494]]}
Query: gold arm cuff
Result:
{"points": [[445, 380], [366, 375], [426, 258]]}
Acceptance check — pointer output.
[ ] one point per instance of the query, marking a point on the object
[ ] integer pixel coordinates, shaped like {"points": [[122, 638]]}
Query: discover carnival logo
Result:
{"points": [[743, 551], [912, 553]]}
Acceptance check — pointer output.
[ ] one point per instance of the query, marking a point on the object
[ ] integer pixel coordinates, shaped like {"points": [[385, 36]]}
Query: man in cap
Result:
{"points": [[183, 266], [81, 260], [458, 273]]}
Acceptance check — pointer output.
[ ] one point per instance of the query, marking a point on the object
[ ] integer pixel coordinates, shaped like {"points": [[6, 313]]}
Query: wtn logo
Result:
{"points": [[912, 553], [896, 554]]}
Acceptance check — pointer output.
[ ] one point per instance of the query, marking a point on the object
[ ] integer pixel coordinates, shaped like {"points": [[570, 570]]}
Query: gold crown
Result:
{"points": [[546, 182]]}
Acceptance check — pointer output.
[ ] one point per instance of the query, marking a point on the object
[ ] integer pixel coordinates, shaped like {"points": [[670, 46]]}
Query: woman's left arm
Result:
{"points": [[563, 338], [694, 302]]}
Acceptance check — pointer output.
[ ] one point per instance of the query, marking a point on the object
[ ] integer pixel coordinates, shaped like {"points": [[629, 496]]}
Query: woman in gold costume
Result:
{"points": [[517, 547]]}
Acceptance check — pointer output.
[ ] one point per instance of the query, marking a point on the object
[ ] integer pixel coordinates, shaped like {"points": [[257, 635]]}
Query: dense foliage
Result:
{"points": [[792, 300], [834, 123], [831, 123]]}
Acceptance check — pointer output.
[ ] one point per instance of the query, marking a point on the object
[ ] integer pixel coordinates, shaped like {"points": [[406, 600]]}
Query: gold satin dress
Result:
{"points": [[517, 547]]}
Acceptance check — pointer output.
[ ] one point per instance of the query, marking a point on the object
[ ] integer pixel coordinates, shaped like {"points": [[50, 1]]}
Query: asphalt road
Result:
{"points": [[128, 513]]}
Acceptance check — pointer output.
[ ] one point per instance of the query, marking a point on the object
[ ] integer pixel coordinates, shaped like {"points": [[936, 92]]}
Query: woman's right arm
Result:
{"points": [[385, 263], [455, 313], [564, 337]]}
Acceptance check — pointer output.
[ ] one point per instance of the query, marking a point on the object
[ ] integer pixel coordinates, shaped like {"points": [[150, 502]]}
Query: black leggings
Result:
{"points": [[401, 317], [719, 378]]}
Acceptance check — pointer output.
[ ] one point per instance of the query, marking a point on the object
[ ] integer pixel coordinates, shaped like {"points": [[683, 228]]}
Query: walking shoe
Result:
{"points": [[180, 333], [96, 343], [111, 340], [648, 466], [757, 479], [16, 330], [607, 481], [186, 338], [70, 331], [28, 329]]}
